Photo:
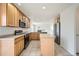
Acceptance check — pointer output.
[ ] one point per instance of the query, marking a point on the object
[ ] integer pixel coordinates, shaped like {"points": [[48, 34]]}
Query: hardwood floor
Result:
{"points": [[34, 50], [59, 51]]}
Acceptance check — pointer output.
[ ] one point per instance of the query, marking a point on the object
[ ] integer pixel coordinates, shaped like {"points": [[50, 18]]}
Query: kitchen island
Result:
{"points": [[47, 45], [11, 45]]}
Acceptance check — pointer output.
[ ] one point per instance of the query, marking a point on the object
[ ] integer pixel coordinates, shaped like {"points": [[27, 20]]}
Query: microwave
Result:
{"points": [[22, 24]]}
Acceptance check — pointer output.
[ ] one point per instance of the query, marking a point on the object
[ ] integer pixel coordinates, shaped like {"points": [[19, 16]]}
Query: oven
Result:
{"points": [[26, 40]]}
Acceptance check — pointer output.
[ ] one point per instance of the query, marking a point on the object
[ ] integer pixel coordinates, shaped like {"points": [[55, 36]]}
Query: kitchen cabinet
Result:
{"points": [[7, 47], [13, 16], [11, 46], [47, 45], [22, 44], [16, 17], [20, 16], [10, 15], [34, 36], [27, 22], [24, 19], [0, 22], [19, 45], [2, 14], [17, 49]]}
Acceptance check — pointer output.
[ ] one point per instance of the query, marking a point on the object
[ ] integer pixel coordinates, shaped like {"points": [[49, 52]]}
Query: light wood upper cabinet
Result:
{"points": [[2, 14], [16, 17], [20, 16], [26, 20], [28, 23], [10, 15]]}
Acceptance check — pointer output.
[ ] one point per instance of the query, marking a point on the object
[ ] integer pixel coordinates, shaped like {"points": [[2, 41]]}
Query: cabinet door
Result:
{"points": [[16, 17], [34, 36], [20, 16], [19, 45], [2, 14], [22, 44], [17, 49], [10, 15], [28, 22], [47, 45]]}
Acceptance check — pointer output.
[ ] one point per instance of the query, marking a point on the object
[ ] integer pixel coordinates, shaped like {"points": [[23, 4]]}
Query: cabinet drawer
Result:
{"points": [[19, 39]]}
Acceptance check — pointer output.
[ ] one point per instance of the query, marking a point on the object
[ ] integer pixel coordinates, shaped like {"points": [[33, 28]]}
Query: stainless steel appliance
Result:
{"points": [[26, 40], [26, 37], [22, 24], [17, 32], [57, 32]]}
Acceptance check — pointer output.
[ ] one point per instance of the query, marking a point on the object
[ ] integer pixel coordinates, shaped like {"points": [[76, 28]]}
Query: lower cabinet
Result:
{"points": [[47, 45], [16, 49], [19, 45], [34, 36]]}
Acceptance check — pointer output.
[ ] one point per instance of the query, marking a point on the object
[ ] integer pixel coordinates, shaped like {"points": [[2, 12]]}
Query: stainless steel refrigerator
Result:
{"points": [[57, 32]]}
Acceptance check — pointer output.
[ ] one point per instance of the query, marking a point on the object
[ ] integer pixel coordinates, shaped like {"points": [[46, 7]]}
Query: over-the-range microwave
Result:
{"points": [[22, 24]]}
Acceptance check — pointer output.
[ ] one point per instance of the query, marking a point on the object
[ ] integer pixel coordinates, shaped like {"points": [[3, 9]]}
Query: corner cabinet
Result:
{"points": [[19, 45]]}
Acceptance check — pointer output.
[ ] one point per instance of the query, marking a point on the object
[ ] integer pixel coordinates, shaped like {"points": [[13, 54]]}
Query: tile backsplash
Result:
{"points": [[6, 31], [10, 30]]}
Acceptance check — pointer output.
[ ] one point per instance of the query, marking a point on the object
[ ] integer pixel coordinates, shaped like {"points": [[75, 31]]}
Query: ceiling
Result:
{"points": [[35, 12]]}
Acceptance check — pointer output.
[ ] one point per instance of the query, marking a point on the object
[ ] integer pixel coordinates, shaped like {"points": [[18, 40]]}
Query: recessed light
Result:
{"points": [[44, 7], [19, 4]]}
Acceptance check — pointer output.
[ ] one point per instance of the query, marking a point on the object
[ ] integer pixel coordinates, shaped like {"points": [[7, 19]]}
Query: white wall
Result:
{"points": [[68, 35]]}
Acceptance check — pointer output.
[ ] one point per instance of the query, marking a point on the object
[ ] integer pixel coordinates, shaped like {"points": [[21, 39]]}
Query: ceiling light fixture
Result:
{"points": [[43, 7]]}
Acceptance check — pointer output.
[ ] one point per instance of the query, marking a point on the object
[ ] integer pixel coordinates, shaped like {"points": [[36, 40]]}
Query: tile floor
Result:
{"points": [[34, 50]]}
